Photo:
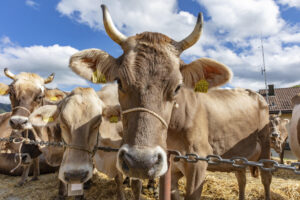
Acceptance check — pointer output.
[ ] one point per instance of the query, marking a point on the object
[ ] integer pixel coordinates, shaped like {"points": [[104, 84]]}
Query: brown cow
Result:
{"points": [[278, 134], [160, 113], [27, 92], [294, 134], [82, 133]]}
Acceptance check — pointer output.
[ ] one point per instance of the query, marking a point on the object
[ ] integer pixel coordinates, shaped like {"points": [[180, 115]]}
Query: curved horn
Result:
{"points": [[110, 28], [279, 114], [9, 74], [49, 79], [194, 36]]}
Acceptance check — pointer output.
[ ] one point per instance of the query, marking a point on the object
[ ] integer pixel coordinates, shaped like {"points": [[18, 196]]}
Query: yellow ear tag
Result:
{"points": [[98, 77], [2, 92], [53, 98], [201, 86], [48, 119], [114, 119]]}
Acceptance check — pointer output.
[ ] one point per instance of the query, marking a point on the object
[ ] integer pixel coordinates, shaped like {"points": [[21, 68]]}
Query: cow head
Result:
{"points": [[278, 132], [79, 116], [150, 75], [26, 93]]}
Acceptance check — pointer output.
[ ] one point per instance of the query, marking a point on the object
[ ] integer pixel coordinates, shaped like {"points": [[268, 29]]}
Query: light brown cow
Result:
{"points": [[82, 133], [294, 134], [159, 113], [278, 133], [27, 92]]}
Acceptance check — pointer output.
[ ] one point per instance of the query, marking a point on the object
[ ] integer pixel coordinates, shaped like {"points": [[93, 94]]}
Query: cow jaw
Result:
{"points": [[142, 162]]}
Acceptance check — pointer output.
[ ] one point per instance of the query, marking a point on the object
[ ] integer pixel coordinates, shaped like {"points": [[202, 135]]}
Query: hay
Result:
{"points": [[218, 186]]}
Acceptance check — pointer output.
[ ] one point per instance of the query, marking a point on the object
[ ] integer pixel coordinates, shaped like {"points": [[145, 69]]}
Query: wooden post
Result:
{"points": [[165, 183]]}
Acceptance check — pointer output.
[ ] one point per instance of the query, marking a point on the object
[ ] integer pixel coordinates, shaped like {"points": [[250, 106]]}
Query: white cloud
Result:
{"points": [[231, 33], [32, 4], [42, 60], [290, 3]]}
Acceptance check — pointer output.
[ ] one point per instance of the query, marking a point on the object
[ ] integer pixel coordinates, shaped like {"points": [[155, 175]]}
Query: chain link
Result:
{"points": [[46, 143], [237, 162]]}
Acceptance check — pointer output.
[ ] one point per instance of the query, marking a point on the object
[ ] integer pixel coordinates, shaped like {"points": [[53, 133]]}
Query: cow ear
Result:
{"points": [[112, 113], [286, 121], [4, 89], [94, 65], [54, 95], [296, 100], [215, 73], [45, 116]]}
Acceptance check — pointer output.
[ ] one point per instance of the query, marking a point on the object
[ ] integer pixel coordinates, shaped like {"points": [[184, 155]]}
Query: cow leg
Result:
{"points": [[24, 176], [266, 179], [119, 182], [282, 153], [36, 169], [136, 186], [174, 185], [195, 175], [62, 191], [241, 178]]}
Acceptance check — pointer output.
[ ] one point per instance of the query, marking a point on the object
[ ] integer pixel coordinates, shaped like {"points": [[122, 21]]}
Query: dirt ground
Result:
{"points": [[218, 186]]}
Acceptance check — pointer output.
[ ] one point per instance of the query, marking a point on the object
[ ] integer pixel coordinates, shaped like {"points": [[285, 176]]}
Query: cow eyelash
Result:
{"points": [[119, 84]]}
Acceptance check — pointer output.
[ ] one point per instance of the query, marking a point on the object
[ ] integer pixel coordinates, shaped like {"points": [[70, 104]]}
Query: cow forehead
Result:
{"points": [[80, 107], [140, 67], [29, 81], [23, 87]]}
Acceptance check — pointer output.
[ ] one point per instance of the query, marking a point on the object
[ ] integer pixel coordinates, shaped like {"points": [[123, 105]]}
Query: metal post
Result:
{"points": [[165, 183]]}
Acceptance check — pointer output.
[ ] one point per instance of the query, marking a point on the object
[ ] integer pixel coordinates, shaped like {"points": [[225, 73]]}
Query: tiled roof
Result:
{"points": [[281, 100]]}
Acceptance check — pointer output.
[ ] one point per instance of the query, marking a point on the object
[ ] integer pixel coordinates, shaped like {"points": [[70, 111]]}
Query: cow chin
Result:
{"points": [[142, 162]]}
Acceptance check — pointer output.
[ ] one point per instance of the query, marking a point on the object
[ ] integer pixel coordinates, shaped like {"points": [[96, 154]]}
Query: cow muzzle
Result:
{"points": [[19, 123], [143, 162]]}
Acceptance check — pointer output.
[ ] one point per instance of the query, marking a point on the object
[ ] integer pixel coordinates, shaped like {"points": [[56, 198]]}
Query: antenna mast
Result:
{"points": [[263, 70]]}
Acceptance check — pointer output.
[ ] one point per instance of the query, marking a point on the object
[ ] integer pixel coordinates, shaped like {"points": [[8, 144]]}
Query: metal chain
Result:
{"points": [[238, 162], [46, 143]]}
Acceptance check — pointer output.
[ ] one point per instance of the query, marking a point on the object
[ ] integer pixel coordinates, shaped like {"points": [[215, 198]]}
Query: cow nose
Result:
{"points": [[142, 163], [274, 134], [18, 121], [76, 175]]}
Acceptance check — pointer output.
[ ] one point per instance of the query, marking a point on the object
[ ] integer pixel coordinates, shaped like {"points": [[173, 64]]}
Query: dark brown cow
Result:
{"points": [[160, 113]]}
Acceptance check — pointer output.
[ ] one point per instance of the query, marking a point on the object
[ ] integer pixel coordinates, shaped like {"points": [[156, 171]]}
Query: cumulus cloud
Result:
{"points": [[290, 3], [42, 60], [231, 35]]}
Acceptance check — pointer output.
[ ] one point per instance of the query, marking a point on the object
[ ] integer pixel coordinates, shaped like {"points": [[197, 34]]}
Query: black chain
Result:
{"points": [[238, 162], [46, 143]]}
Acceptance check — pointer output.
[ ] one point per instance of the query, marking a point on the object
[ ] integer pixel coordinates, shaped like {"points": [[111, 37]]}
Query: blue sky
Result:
{"points": [[39, 36]]}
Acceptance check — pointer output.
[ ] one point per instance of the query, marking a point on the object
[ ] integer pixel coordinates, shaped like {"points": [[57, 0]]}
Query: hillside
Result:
{"points": [[4, 107]]}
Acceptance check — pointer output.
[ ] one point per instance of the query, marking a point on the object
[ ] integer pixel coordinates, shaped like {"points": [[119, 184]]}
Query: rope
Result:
{"points": [[26, 140], [23, 108], [149, 111]]}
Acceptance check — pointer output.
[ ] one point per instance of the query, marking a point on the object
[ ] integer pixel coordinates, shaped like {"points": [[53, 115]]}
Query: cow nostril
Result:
{"points": [[76, 175], [159, 158]]}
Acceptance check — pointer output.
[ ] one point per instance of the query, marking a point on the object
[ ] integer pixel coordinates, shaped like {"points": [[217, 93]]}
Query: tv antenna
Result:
{"points": [[263, 69]]}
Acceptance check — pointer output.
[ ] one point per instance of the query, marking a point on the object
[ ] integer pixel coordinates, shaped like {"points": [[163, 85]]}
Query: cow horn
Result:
{"points": [[49, 79], [194, 36], [280, 113], [110, 28], [9, 74]]}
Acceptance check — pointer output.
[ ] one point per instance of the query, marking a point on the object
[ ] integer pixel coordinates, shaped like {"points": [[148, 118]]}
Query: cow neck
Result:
{"points": [[183, 115]]}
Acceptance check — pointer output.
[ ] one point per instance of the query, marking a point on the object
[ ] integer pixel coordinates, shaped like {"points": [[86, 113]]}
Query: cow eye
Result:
{"points": [[177, 89], [119, 84], [39, 98]]}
